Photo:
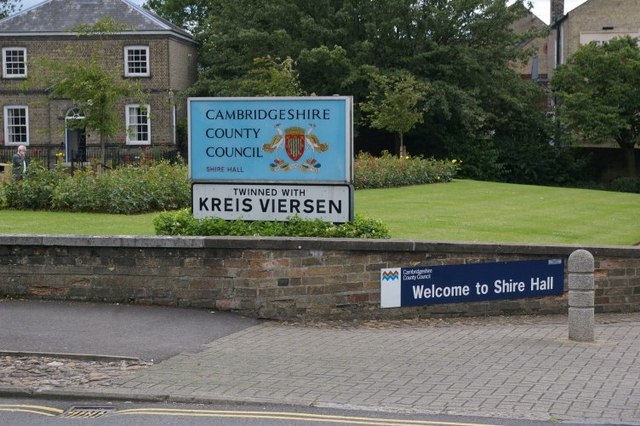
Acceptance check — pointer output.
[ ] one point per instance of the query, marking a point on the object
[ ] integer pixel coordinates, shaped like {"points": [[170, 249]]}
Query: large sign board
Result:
{"points": [[280, 139], [428, 285], [331, 203]]}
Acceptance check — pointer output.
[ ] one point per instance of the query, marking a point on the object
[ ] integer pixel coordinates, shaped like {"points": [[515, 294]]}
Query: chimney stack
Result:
{"points": [[557, 10]]}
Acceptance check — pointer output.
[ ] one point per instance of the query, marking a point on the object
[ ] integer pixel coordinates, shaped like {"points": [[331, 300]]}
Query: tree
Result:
{"points": [[325, 70], [395, 103], [92, 83], [187, 14], [267, 77], [460, 48], [7, 7], [598, 93]]}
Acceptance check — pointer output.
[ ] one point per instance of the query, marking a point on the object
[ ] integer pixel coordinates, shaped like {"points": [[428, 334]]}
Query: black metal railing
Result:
{"points": [[115, 155]]}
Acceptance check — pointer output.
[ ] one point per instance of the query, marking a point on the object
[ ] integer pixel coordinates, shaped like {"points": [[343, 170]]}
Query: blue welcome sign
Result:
{"points": [[279, 139], [428, 285]]}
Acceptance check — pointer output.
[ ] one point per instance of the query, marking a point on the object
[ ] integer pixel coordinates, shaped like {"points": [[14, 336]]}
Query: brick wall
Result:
{"points": [[539, 45], [46, 118], [593, 16], [278, 277], [182, 64]]}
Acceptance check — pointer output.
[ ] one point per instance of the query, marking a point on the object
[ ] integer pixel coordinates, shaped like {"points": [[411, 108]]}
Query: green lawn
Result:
{"points": [[40, 222], [466, 210], [462, 210]]}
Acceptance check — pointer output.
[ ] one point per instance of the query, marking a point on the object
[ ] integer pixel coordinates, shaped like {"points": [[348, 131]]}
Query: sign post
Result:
{"points": [[283, 156], [330, 203]]}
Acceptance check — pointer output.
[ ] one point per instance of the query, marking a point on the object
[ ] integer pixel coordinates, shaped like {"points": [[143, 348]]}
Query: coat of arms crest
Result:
{"points": [[295, 140]]}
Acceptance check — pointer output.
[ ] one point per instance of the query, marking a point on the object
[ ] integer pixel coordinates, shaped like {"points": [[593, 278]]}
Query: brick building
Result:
{"points": [[158, 56], [536, 68], [593, 21]]}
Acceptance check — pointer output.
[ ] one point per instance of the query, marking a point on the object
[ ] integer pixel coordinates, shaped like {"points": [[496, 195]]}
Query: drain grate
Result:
{"points": [[88, 412]]}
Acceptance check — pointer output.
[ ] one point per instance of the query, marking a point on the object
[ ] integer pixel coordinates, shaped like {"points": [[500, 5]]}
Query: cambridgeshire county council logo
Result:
{"points": [[390, 275], [390, 287], [296, 141]]}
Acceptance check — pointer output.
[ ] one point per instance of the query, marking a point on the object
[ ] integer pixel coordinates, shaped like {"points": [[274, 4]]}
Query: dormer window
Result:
{"points": [[136, 61], [14, 62]]}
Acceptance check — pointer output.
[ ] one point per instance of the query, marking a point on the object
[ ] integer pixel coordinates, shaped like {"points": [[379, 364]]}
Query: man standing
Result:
{"points": [[20, 162]]}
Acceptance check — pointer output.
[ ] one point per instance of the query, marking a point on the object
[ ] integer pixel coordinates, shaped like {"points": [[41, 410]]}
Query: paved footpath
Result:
{"points": [[503, 367]]}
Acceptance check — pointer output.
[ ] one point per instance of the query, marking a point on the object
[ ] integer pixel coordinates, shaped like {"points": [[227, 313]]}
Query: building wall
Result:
{"points": [[525, 69], [46, 118], [599, 20], [182, 64], [538, 45], [183, 71], [280, 278]]}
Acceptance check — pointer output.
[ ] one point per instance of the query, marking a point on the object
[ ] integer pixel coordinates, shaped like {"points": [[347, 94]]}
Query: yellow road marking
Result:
{"points": [[290, 416], [33, 409], [24, 410], [268, 415]]}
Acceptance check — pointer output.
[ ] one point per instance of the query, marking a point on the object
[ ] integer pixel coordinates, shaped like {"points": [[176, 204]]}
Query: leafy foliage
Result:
{"points": [[126, 190], [187, 14], [35, 190], [599, 95], [455, 54], [8, 7], [460, 50], [625, 184], [395, 103], [267, 77], [182, 222], [389, 171]]}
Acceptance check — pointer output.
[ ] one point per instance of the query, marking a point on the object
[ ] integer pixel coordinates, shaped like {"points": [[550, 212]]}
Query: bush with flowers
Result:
{"points": [[387, 171], [126, 190]]}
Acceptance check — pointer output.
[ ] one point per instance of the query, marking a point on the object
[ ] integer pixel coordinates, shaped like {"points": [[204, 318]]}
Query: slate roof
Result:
{"points": [[58, 16]]}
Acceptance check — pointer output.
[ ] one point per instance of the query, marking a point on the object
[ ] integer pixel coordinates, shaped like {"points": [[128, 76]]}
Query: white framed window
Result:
{"points": [[138, 125], [14, 62], [136, 61], [16, 125]]}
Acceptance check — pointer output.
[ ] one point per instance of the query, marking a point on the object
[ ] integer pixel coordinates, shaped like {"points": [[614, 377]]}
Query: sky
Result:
{"points": [[541, 8]]}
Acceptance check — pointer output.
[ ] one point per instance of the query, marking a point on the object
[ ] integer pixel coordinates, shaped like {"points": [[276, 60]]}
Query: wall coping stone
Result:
{"points": [[297, 243]]}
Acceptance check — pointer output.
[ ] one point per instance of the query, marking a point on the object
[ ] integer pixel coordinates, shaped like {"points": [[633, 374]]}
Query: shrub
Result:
{"points": [[626, 184], [481, 160], [389, 171], [125, 190], [35, 190], [182, 222], [156, 187], [77, 193]]}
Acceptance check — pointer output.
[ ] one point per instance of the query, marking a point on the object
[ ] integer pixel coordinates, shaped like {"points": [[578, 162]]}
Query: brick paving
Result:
{"points": [[500, 367]]}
